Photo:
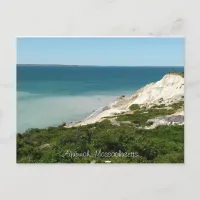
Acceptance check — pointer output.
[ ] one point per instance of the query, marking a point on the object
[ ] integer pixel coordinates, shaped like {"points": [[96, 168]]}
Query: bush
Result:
{"points": [[149, 123], [163, 144], [134, 107]]}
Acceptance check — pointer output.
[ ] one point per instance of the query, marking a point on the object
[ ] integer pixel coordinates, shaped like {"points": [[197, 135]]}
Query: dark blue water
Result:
{"points": [[79, 80], [48, 95]]}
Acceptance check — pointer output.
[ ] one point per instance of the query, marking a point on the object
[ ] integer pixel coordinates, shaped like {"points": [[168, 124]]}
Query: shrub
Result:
{"points": [[134, 107], [177, 73], [149, 123]]}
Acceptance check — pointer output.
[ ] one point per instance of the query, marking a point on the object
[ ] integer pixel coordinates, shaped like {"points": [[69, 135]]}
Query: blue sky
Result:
{"points": [[101, 51]]}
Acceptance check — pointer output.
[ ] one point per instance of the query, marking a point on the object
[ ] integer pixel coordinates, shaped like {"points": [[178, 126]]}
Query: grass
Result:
{"points": [[140, 118], [177, 105], [177, 73]]}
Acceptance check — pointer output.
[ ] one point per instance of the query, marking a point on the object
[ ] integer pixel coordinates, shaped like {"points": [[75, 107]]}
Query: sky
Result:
{"points": [[127, 51]]}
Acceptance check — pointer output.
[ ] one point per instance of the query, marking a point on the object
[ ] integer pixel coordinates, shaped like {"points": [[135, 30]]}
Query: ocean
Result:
{"points": [[51, 95]]}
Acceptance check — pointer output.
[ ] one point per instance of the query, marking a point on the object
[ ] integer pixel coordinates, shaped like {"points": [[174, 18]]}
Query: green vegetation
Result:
{"points": [[178, 105], [160, 100], [140, 117], [177, 73], [164, 144], [174, 106], [149, 123], [134, 107], [158, 106]]}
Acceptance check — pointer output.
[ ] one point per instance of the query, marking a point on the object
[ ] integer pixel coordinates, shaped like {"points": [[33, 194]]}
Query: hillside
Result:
{"points": [[147, 127], [169, 90]]}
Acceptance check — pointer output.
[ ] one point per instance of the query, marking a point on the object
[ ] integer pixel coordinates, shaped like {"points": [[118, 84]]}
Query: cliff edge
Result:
{"points": [[167, 92]]}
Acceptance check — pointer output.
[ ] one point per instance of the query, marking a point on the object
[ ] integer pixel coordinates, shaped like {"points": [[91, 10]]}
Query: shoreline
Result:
{"points": [[93, 99], [148, 95], [117, 106]]}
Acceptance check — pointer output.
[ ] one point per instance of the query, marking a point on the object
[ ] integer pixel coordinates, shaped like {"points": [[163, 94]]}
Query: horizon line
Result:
{"points": [[85, 65]]}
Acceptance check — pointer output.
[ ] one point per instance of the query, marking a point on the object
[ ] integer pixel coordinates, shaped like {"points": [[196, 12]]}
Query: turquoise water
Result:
{"points": [[50, 95]]}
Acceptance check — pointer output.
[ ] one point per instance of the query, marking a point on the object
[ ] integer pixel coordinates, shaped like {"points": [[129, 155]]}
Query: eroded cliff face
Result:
{"points": [[168, 90]]}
